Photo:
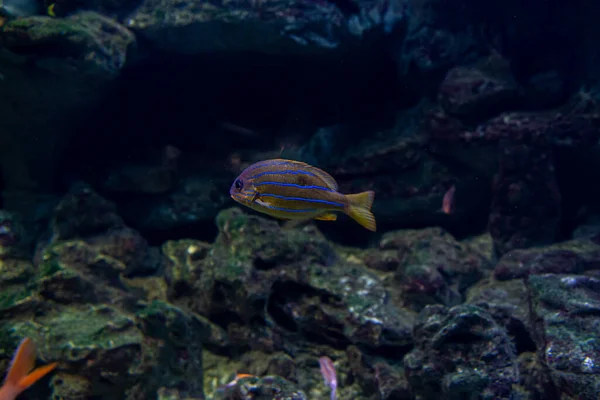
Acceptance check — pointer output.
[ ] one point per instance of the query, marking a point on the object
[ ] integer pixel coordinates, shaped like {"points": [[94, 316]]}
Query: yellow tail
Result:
{"points": [[359, 209]]}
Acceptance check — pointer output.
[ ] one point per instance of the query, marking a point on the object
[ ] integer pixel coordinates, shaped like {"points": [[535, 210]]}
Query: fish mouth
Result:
{"points": [[240, 198]]}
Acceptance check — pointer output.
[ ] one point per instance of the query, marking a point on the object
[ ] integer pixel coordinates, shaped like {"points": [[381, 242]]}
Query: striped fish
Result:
{"points": [[288, 189]]}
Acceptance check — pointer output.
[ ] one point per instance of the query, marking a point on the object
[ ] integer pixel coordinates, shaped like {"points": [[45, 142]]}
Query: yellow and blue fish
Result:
{"points": [[293, 190]]}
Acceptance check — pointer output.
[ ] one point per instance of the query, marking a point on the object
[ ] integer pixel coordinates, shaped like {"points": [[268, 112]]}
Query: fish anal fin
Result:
{"points": [[327, 217], [35, 376]]}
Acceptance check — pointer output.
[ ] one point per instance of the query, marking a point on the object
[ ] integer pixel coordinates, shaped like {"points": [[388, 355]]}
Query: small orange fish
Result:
{"points": [[448, 201], [294, 190], [237, 378], [20, 376]]}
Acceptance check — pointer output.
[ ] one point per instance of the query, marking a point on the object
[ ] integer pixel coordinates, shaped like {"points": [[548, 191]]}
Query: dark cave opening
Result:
{"points": [[576, 174], [184, 102]]}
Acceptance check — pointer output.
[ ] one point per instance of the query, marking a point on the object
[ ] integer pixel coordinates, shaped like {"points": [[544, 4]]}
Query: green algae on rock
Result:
{"points": [[271, 26], [268, 387], [570, 257], [288, 283], [430, 265], [508, 303], [567, 308], [82, 215], [458, 352], [96, 42], [54, 72], [82, 311]]}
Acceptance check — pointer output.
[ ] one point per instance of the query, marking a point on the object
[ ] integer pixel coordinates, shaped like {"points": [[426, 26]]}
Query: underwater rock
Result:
{"points": [[16, 296], [14, 241], [267, 26], [525, 209], [544, 90], [391, 383], [458, 352], [534, 381], [482, 244], [94, 43], [142, 346], [571, 257], [70, 386], [269, 284], [588, 229], [194, 200], [54, 72], [110, 339], [438, 36], [431, 266], [146, 179], [268, 387], [173, 394], [392, 167], [107, 345], [480, 90], [507, 302], [15, 271], [451, 138], [85, 216], [576, 125], [375, 375], [75, 272], [566, 309], [409, 182], [83, 212], [165, 321]]}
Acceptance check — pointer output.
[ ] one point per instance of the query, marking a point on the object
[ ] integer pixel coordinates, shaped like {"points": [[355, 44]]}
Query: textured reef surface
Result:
{"points": [[122, 256], [419, 315]]}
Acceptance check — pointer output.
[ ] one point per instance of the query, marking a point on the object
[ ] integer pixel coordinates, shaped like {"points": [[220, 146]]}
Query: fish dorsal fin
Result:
{"points": [[328, 179]]}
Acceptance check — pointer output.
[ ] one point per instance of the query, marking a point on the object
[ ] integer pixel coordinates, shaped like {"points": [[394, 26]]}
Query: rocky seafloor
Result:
{"points": [[419, 315], [124, 259]]}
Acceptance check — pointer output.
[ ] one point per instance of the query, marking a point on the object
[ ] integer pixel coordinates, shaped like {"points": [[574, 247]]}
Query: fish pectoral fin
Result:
{"points": [[256, 197], [327, 217], [262, 203]]}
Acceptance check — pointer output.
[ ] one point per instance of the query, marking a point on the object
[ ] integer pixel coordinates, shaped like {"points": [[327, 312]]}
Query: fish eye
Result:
{"points": [[239, 184]]}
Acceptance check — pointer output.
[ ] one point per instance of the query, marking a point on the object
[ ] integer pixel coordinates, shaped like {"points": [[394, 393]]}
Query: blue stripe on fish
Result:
{"points": [[291, 209], [331, 203], [297, 172], [294, 185]]}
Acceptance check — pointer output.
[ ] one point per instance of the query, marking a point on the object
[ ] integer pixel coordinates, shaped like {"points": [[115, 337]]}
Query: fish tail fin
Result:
{"points": [[359, 209], [19, 377], [36, 375]]}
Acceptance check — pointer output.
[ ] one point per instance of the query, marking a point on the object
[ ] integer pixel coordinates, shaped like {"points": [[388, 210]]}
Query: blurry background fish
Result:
{"points": [[21, 8]]}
